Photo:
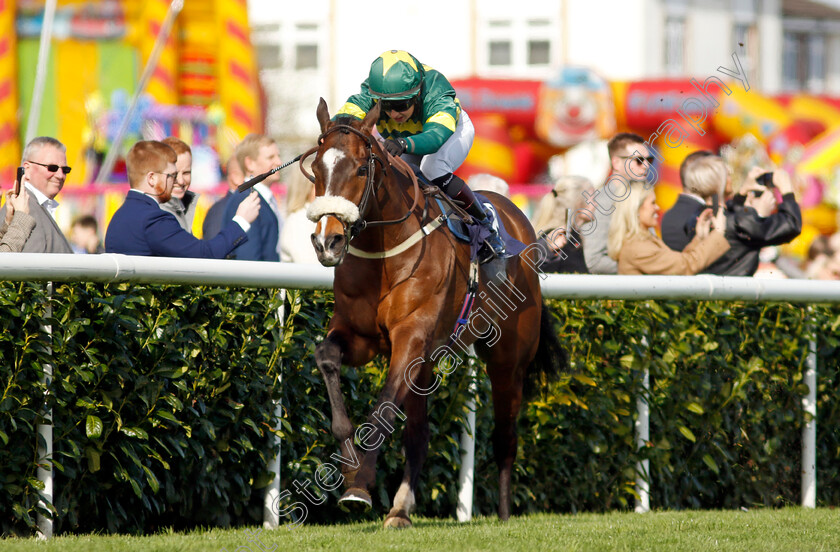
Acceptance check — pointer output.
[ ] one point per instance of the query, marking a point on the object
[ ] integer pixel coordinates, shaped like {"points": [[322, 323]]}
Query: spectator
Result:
{"points": [[557, 222], [638, 250], [84, 235], [488, 183], [17, 224], [141, 227], [183, 202], [702, 175], [213, 220], [834, 242], [45, 170], [630, 161], [295, 239], [751, 223], [257, 154], [823, 260]]}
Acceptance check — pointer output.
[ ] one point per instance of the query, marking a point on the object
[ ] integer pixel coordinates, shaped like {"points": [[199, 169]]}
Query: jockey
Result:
{"points": [[421, 118]]}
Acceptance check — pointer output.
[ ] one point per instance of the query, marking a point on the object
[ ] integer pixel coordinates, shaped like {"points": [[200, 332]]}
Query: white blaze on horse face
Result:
{"points": [[330, 159]]}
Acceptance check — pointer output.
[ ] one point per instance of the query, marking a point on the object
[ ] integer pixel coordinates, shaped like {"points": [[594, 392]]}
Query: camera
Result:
{"points": [[18, 180], [765, 179]]}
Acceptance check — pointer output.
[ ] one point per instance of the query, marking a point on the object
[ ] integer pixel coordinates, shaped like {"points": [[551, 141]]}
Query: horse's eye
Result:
{"points": [[362, 171]]}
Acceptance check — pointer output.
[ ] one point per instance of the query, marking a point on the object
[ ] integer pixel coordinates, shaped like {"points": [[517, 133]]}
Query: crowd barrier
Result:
{"points": [[152, 270]]}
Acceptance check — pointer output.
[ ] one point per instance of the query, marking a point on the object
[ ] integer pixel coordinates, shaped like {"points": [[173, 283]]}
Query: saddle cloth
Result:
{"points": [[475, 234]]}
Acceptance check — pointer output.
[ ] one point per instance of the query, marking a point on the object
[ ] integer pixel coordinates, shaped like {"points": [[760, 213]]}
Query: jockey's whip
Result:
{"points": [[260, 177]]}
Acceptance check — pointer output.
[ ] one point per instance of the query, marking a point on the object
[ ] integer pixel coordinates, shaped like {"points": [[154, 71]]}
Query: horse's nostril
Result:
{"points": [[316, 243], [335, 242]]}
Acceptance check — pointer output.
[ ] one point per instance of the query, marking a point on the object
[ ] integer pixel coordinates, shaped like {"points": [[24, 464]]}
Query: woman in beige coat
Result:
{"points": [[638, 250]]}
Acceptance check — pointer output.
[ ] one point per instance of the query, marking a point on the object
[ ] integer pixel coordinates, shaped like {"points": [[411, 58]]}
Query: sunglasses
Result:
{"points": [[169, 176], [639, 159], [53, 168], [397, 105]]}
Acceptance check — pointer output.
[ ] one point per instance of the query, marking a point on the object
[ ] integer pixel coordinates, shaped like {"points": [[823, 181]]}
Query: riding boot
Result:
{"points": [[457, 189]]}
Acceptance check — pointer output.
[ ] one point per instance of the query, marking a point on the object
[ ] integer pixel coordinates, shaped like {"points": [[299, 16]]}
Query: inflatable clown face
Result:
{"points": [[574, 108]]}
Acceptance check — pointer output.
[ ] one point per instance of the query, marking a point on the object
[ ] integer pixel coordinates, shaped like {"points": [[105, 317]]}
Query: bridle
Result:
{"points": [[372, 183]]}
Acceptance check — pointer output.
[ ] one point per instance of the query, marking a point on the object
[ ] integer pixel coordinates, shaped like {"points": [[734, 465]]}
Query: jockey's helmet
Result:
{"points": [[395, 75]]}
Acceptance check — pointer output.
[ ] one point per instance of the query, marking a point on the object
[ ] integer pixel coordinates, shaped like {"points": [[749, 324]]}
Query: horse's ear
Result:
{"points": [[323, 114], [371, 117]]}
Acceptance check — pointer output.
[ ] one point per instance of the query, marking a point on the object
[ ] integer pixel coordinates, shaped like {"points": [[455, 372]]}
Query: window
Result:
{"points": [[266, 39], [522, 45], [306, 56], [816, 62], [675, 45], [804, 61], [499, 54], [539, 52], [792, 74], [269, 56]]}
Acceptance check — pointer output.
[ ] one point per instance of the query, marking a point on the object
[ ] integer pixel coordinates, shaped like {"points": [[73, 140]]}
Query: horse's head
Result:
{"points": [[345, 170]]}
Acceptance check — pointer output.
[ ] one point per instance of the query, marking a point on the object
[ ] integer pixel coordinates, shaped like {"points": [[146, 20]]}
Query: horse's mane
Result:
{"points": [[345, 120]]}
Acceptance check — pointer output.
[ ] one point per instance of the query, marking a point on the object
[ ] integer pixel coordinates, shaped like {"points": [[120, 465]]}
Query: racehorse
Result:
{"points": [[398, 292]]}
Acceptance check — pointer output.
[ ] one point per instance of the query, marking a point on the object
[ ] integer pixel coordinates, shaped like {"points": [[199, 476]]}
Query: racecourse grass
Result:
{"points": [[789, 529]]}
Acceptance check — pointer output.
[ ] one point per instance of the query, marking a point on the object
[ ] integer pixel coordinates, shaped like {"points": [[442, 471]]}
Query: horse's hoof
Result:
{"points": [[355, 499], [397, 521]]}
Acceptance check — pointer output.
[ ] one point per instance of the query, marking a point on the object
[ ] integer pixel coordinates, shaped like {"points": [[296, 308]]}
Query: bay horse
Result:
{"points": [[401, 298]]}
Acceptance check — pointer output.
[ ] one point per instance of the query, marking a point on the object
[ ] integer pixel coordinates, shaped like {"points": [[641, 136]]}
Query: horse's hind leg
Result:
{"points": [[416, 442], [506, 402]]}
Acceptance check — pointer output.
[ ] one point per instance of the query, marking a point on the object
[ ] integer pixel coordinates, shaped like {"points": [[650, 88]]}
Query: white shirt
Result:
{"points": [[694, 196], [265, 193], [49, 204]]}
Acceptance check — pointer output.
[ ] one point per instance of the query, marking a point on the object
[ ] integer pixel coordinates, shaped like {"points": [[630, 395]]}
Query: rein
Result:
{"points": [[356, 227]]}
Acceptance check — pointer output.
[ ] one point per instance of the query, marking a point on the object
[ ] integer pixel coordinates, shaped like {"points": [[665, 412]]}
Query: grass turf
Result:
{"points": [[789, 529]]}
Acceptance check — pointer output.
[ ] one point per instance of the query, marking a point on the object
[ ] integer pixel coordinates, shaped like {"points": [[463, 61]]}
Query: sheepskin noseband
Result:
{"points": [[341, 208]]}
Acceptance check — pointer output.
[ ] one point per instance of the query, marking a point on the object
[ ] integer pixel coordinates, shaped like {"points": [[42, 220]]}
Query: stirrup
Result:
{"points": [[493, 246]]}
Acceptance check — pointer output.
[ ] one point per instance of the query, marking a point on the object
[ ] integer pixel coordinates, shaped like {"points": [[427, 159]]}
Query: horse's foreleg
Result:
{"points": [[328, 358], [407, 371], [416, 442]]}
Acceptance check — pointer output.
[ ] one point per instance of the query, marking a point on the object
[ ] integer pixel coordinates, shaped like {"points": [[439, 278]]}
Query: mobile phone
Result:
{"points": [[715, 204], [568, 220], [18, 180]]}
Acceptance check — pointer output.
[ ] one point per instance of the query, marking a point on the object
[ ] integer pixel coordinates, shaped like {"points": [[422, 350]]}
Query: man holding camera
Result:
{"points": [[751, 223], [44, 172]]}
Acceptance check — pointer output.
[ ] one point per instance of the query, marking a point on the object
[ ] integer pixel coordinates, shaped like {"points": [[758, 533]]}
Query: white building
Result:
{"points": [[323, 48]]}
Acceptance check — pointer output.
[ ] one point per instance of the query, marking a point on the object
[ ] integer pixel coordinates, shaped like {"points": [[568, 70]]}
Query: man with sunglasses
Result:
{"points": [[421, 118], [630, 161], [45, 170], [141, 227]]}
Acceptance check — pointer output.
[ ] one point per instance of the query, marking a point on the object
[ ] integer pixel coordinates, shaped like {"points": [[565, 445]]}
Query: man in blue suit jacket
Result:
{"points": [[214, 219], [258, 154], [141, 227], [702, 175]]}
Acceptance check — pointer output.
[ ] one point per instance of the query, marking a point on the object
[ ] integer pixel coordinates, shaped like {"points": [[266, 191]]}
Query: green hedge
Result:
{"points": [[162, 406]]}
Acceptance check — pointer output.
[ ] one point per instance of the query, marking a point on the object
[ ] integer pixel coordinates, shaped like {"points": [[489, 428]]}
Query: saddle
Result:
{"points": [[461, 225]]}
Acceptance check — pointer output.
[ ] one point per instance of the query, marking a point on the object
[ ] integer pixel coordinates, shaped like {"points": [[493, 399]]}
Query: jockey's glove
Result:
{"points": [[396, 147]]}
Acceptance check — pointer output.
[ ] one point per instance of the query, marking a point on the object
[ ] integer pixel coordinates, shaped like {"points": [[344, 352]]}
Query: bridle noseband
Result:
{"points": [[355, 228]]}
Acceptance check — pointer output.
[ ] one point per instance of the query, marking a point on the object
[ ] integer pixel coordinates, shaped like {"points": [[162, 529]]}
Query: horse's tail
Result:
{"points": [[551, 359]]}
